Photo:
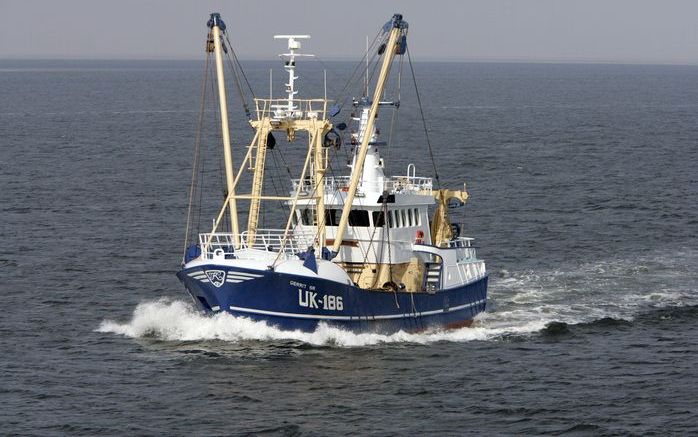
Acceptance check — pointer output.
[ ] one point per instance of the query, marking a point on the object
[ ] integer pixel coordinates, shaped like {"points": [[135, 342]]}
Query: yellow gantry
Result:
{"points": [[263, 128]]}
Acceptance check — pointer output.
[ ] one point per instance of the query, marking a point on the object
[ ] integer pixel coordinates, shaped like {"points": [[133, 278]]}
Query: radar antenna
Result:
{"points": [[290, 67]]}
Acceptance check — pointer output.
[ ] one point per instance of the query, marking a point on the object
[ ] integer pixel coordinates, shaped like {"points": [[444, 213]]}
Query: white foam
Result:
{"points": [[178, 321], [520, 303]]}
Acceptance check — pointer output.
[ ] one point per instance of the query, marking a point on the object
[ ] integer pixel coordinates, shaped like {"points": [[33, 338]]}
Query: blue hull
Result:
{"points": [[293, 302]]}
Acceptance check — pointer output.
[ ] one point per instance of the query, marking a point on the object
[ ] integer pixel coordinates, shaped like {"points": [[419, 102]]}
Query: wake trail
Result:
{"points": [[520, 303]]}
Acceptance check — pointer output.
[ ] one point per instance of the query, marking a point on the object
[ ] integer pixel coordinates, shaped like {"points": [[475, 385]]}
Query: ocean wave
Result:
{"points": [[582, 293]]}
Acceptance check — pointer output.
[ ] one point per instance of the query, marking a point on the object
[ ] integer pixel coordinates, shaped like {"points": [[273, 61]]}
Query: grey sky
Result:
{"points": [[540, 30]]}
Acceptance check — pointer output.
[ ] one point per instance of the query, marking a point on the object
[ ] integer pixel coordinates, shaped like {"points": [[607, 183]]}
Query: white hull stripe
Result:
{"points": [[231, 273], [231, 277], [380, 317], [243, 274]]}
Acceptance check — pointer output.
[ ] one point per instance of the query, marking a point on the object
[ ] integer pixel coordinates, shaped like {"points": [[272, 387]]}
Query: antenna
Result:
{"points": [[290, 65], [271, 74]]}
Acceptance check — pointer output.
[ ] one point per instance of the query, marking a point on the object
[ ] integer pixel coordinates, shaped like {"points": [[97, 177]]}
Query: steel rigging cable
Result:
{"points": [[197, 146], [424, 122]]}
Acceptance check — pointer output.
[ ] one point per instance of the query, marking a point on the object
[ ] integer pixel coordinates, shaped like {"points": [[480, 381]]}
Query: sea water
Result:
{"points": [[584, 192]]}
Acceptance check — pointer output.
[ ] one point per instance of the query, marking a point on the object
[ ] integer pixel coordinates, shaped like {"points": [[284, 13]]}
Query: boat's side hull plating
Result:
{"points": [[299, 302]]}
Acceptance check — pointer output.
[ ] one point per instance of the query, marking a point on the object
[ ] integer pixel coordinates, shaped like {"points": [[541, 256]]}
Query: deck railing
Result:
{"points": [[465, 249], [399, 184], [222, 244], [330, 184], [461, 242], [303, 109], [396, 184]]}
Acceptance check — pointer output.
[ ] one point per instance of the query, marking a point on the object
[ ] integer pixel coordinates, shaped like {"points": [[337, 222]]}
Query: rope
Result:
{"points": [[366, 253], [394, 117], [277, 191], [325, 66], [237, 62], [424, 122], [238, 86], [197, 148], [351, 79], [374, 69]]}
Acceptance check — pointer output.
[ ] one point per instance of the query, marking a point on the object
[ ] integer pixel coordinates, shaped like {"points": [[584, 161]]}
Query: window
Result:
{"points": [[378, 219], [410, 219], [403, 216], [307, 217], [391, 220], [417, 217], [359, 217], [332, 217]]}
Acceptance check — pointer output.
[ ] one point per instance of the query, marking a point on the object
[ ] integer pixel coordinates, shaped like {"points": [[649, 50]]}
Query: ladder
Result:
{"points": [[432, 276]]}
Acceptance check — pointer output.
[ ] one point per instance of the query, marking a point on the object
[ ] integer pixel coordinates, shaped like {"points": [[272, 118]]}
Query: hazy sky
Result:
{"points": [[660, 31]]}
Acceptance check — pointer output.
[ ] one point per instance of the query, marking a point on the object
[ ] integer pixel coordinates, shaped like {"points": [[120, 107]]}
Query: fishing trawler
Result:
{"points": [[364, 251]]}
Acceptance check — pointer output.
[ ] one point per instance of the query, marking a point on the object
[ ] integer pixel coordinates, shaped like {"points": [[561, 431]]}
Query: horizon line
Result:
{"points": [[472, 60]]}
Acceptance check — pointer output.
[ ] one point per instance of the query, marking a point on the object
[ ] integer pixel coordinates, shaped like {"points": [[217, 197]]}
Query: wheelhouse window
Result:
{"points": [[332, 217], [401, 218], [378, 219], [307, 217], [359, 217]]}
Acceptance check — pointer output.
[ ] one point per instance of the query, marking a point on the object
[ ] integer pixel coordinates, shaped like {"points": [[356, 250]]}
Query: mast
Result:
{"points": [[397, 28], [264, 128], [216, 24], [319, 165], [290, 66]]}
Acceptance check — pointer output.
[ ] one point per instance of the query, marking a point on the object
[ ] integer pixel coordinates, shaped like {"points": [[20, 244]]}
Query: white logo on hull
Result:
{"points": [[217, 277]]}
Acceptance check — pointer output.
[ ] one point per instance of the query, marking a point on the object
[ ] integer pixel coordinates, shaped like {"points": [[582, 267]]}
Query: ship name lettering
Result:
{"points": [[307, 299]]}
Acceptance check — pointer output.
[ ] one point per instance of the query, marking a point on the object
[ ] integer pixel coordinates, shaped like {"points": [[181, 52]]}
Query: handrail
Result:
{"points": [[266, 240], [399, 184], [305, 108], [395, 184], [461, 242]]}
